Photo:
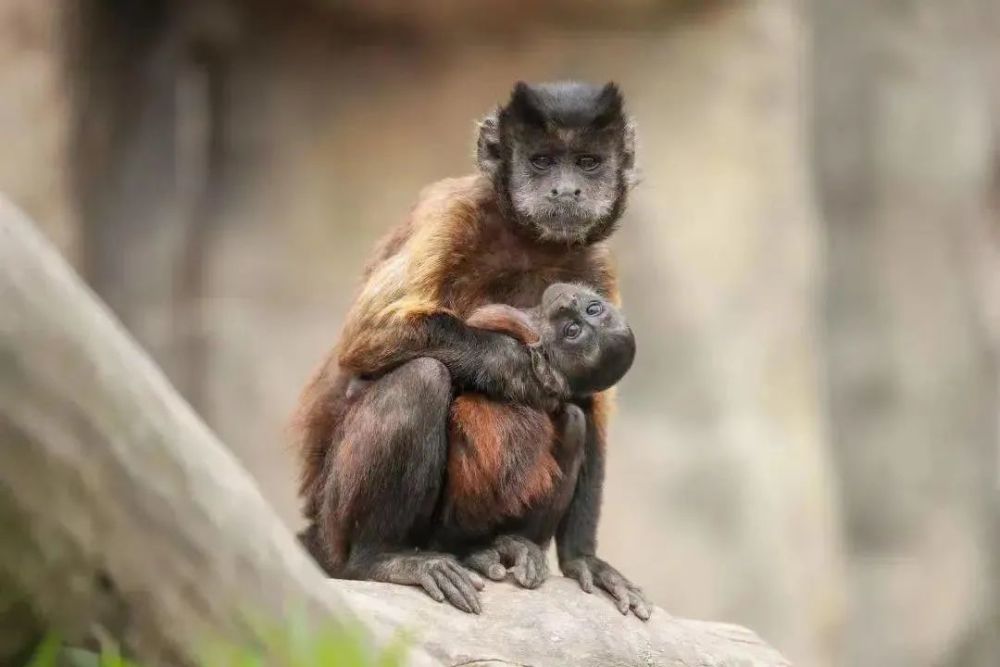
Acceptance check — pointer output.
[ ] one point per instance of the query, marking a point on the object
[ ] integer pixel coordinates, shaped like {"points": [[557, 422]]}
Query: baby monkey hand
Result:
{"points": [[552, 382]]}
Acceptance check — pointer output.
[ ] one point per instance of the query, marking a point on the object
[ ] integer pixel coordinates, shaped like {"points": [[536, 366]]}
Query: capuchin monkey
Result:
{"points": [[446, 462]]}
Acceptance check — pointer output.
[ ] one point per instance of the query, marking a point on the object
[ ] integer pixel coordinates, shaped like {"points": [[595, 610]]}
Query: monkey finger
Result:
{"points": [[497, 572], [510, 549], [474, 577], [453, 595], [538, 572], [639, 605], [541, 569], [520, 575], [463, 583], [431, 588], [468, 578], [609, 579], [488, 563], [523, 569], [579, 571], [620, 593]]}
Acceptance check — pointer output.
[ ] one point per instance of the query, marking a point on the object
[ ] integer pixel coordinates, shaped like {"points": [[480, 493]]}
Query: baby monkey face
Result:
{"points": [[585, 337]]}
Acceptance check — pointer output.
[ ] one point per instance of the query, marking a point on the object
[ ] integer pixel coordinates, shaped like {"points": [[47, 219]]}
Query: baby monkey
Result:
{"points": [[577, 339]]}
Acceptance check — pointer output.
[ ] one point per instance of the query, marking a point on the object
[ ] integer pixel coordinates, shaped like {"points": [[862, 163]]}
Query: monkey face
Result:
{"points": [[585, 337], [564, 185], [560, 154]]}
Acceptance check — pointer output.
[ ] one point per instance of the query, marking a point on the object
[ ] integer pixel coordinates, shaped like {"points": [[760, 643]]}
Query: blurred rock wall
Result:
{"points": [[907, 161]]}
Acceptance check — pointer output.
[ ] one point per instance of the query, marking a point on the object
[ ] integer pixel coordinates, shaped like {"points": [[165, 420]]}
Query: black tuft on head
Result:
{"points": [[525, 107], [609, 107], [568, 104]]}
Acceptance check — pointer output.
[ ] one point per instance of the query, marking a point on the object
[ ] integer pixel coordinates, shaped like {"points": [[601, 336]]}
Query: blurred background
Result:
{"points": [[808, 443]]}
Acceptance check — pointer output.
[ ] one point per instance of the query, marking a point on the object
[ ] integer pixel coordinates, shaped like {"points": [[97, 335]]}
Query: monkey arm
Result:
{"points": [[576, 536], [487, 362]]}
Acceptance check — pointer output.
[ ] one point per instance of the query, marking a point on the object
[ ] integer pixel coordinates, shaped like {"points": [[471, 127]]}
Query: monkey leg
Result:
{"points": [[522, 552], [569, 453], [384, 484]]}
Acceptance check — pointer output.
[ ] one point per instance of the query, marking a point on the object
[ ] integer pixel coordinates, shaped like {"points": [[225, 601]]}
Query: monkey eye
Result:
{"points": [[571, 330], [541, 162], [588, 162], [595, 308]]}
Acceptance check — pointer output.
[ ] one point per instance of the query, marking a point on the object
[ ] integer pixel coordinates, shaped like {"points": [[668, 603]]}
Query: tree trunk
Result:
{"points": [[124, 516]]}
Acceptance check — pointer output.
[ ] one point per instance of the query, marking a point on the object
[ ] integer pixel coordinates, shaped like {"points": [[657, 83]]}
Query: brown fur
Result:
{"points": [[454, 254], [500, 459]]}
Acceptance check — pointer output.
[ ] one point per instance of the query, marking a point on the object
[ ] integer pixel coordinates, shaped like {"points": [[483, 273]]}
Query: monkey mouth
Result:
{"points": [[562, 225]]}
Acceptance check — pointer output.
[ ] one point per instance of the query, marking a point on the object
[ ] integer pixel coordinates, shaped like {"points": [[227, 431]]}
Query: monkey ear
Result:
{"points": [[488, 144], [609, 107], [505, 319], [629, 171]]}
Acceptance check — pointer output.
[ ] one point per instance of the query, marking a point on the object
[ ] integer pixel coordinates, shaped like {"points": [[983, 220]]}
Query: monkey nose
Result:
{"points": [[565, 193]]}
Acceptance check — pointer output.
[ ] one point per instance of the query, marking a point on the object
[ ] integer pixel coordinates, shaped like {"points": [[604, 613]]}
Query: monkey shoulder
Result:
{"points": [[454, 202]]}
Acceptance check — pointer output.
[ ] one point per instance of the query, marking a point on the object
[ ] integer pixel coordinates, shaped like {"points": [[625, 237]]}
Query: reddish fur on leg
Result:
{"points": [[500, 459]]}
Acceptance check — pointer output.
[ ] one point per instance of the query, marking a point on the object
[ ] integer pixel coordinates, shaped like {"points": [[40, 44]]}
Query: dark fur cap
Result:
{"points": [[567, 104]]}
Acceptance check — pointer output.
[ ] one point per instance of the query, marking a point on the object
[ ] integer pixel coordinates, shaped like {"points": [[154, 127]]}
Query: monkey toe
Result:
{"points": [[640, 606], [477, 581], [523, 576], [488, 563], [530, 572], [580, 571], [431, 588], [457, 592]]}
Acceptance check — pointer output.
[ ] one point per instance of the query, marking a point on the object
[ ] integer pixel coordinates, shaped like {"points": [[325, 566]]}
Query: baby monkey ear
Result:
{"points": [[505, 319], [488, 145]]}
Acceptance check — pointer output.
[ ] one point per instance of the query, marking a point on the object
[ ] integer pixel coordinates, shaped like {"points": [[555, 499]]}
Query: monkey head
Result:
{"points": [[561, 157], [583, 338]]}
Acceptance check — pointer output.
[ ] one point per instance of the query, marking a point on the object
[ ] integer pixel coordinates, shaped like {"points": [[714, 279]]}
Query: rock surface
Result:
{"points": [[557, 624]]}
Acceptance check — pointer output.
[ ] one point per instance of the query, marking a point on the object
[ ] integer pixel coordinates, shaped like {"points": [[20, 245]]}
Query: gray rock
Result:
{"points": [[557, 624]]}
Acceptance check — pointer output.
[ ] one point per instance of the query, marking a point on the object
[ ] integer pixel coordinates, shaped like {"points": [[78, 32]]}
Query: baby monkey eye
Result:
{"points": [[588, 162], [595, 308], [571, 330], [541, 161]]}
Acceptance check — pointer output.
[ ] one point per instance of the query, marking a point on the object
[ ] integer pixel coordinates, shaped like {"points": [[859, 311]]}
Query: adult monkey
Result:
{"points": [[556, 164]]}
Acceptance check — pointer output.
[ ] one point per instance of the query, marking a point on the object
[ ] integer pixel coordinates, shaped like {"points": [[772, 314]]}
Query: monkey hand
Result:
{"points": [[552, 382], [441, 577], [590, 569], [524, 558]]}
